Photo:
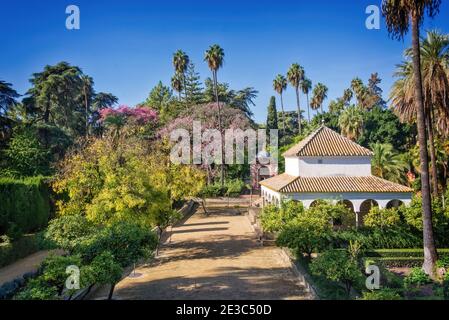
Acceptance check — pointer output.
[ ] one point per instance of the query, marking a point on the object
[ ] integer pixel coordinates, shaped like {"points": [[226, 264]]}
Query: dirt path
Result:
{"points": [[22, 266], [215, 257]]}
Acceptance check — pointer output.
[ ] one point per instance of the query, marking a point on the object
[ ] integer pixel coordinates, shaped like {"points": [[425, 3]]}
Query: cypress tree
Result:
{"points": [[272, 118]]}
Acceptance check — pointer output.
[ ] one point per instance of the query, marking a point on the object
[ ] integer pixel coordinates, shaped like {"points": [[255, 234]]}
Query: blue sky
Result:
{"points": [[126, 46]]}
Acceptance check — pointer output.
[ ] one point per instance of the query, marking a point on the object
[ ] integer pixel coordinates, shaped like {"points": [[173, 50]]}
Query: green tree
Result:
{"points": [[8, 97], [194, 90], [351, 122], [214, 57], [180, 62], [399, 16], [337, 266], [25, 155], [306, 86], [388, 164], [272, 118], [295, 76], [280, 85]]}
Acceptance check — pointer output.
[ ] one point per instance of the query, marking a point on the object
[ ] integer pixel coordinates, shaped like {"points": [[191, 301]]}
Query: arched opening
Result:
{"points": [[365, 207], [346, 221], [395, 203], [314, 203]]}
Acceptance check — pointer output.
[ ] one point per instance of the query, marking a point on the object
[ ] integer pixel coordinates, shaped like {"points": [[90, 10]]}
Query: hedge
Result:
{"points": [[26, 245], [25, 205], [403, 253], [391, 258]]}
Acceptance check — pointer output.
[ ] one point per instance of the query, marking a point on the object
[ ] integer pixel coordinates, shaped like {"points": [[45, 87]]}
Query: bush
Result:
{"points": [[68, 231], [231, 188], [382, 218], [25, 205], [234, 187], [337, 266], [25, 155], [28, 244], [37, 289], [127, 242], [382, 294], [273, 218], [417, 277]]}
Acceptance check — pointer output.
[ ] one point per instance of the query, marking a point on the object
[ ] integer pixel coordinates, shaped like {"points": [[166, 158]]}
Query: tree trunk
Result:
{"points": [[283, 114], [308, 107], [111, 291], [433, 158], [299, 110], [430, 254], [87, 111], [219, 127]]}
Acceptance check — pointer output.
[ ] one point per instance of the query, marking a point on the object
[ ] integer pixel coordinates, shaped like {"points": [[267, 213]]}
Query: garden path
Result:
{"points": [[213, 257]]}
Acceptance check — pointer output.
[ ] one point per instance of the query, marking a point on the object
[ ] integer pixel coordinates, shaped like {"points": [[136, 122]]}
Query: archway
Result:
{"points": [[395, 203], [314, 203], [347, 221], [365, 207]]}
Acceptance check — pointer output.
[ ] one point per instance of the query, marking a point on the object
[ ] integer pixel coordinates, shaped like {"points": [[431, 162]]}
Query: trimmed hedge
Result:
{"points": [[26, 245], [401, 257], [25, 205], [403, 253]]}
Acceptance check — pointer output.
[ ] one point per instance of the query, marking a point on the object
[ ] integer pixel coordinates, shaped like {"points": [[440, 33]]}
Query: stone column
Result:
{"points": [[357, 219]]}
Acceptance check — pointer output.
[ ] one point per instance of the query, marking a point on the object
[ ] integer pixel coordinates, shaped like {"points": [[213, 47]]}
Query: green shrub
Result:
{"points": [[337, 266], [234, 187], [28, 244], [69, 231], [25, 205], [382, 218], [127, 242], [37, 289], [417, 277], [273, 218], [382, 294]]}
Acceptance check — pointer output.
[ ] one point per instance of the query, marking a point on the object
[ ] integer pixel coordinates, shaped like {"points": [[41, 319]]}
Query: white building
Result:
{"points": [[328, 166]]}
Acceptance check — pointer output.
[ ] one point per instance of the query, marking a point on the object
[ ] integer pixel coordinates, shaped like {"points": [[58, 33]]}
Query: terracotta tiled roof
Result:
{"points": [[326, 142], [285, 184]]}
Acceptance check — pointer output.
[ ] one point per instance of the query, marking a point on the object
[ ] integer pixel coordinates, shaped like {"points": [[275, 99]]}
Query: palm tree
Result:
{"points": [[351, 122], [387, 164], [306, 86], [347, 96], [181, 62], [399, 15], [434, 65], [295, 75], [320, 92], [176, 83], [280, 85], [214, 57], [87, 87]]}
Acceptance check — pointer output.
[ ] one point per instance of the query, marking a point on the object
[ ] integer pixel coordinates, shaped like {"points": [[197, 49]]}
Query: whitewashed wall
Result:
{"points": [[328, 166]]}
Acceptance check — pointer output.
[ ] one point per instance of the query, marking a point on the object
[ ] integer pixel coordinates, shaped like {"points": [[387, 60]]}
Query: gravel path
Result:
{"points": [[215, 257]]}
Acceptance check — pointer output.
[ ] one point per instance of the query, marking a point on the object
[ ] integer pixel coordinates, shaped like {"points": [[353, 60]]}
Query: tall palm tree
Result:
{"points": [[181, 62], [387, 164], [351, 122], [399, 16], [87, 87], [306, 86], [320, 91], [214, 57], [347, 96], [295, 75], [176, 83], [280, 85], [435, 70]]}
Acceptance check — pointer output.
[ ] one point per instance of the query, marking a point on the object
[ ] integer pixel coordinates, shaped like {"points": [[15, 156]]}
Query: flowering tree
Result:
{"points": [[128, 121]]}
